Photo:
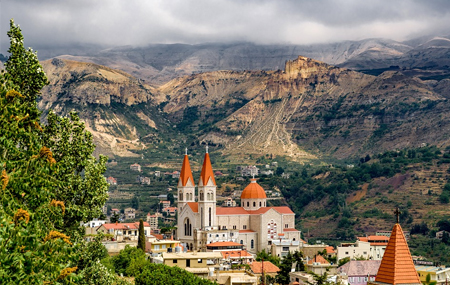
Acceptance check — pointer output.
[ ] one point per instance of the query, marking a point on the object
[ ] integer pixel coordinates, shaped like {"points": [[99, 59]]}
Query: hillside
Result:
{"points": [[308, 110]]}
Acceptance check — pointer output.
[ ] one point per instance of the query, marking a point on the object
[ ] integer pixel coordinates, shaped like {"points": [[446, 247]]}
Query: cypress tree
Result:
{"points": [[141, 240]]}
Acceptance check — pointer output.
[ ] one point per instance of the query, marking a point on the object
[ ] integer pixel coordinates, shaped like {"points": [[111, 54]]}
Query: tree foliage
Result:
{"points": [[50, 181], [141, 240], [159, 274]]}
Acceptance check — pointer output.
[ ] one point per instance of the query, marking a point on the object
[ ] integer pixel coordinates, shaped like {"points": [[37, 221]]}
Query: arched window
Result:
{"points": [[210, 216], [242, 242], [190, 229], [180, 196], [248, 204], [254, 204], [209, 196], [264, 204], [187, 227], [201, 196], [252, 244], [260, 203]]}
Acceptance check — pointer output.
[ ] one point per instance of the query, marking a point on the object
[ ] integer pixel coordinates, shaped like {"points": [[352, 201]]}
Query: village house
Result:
{"points": [[124, 231], [130, 213], [153, 220], [135, 167], [441, 275], [319, 265], [198, 263], [282, 247], [165, 204], [111, 180], [269, 269], [250, 170], [359, 272], [171, 211]]}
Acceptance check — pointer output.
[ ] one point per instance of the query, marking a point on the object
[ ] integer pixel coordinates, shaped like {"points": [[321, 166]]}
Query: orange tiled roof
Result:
{"points": [[193, 206], [227, 211], [124, 226], [290, 230], [253, 191], [223, 243], [397, 266], [330, 249], [246, 231], [269, 267], [235, 254], [318, 258], [207, 171], [186, 172]]}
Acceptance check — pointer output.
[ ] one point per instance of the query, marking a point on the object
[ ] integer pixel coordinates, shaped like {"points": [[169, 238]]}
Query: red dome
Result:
{"points": [[253, 191]]}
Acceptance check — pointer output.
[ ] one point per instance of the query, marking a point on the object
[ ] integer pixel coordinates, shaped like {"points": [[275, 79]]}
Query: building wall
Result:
{"points": [[195, 263], [360, 248]]}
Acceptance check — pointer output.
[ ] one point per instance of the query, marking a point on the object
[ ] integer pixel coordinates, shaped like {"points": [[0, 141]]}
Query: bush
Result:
{"points": [[160, 274]]}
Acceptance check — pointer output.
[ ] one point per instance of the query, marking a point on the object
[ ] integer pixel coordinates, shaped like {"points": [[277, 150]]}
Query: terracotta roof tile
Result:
{"points": [[397, 266], [235, 254], [228, 211], [223, 243], [330, 249], [207, 171], [253, 191], [124, 226], [269, 267], [193, 206], [319, 259], [186, 172]]}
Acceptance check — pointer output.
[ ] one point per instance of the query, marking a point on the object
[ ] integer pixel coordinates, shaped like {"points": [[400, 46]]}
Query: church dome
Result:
{"points": [[253, 191]]}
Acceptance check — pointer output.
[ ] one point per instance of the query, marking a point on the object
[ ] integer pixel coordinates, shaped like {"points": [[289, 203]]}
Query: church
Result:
{"points": [[253, 225]]}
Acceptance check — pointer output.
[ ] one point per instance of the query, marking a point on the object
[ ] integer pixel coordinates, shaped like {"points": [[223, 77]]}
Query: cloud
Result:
{"points": [[133, 22]]}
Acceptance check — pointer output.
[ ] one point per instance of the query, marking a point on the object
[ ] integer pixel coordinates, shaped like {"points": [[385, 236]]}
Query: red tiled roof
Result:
{"points": [[228, 211], [193, 206], [235, 254], [330, 249], [207, 171], [158, 236], [186, 172], [318, 258], [253, 191], [374, 238], [397, 266], [269, 267], [124, 226], [246, 231], [290, 230], [223, 243]]}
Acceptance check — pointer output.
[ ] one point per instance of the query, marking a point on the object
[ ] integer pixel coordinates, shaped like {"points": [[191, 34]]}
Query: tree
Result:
{"points": [[160, 274], [115, 218], [279, 171], [286, 266], [171, 198], [141, 240], [263, 255], [50, 181]]}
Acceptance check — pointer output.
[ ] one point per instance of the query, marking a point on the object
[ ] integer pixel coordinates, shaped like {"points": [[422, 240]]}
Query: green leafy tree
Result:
{"points": [[287, 264], [141, 240], [114, 218], [160, 274], [49, 181], [124, 259], [263, 255]]}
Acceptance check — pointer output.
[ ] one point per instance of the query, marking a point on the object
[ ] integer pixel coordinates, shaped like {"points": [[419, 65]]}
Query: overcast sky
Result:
{"points": [[133, 22]]}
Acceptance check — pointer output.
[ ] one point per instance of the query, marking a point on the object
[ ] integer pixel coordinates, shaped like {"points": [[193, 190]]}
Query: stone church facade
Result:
{"points": [[253, 224]]}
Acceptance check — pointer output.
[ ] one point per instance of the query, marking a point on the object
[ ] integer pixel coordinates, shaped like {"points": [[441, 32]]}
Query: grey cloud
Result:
{"points": [[133, 22]]}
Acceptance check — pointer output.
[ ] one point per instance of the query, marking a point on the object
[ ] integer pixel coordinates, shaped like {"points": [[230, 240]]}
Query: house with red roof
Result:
{"points": [[124, 231], [253, 224], [319, 265], [266, 267]]}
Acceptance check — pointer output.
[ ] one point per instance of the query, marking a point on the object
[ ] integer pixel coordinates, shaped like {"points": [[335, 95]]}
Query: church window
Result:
{"points": [[244, 227], [271, 229], [254, 204], [234, 227], [242, 242], [210, 214], [181, 196], [252, 244], [286, 226], [208, 196], [248, 204], [202, 196], [260, 203], [264, 204]]}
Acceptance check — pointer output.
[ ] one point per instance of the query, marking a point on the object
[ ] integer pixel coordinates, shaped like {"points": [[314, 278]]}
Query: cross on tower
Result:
{"points": [[397, 213]]}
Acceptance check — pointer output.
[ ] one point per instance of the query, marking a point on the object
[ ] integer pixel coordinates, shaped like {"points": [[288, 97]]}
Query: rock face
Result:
{"points": [[310, 107]]}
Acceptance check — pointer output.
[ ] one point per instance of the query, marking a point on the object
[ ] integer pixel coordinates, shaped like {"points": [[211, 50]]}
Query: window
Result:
{"points": [[145, 232], [260, 203], [156, 246], [129, 232], [234, 227], [231, 234], [252, 244], [286, 226], [244, 227], [163, 246], [285, 248], [254, 204], [223, 235], [248, 204], [242, 242], [365, 252], [346, 252], [199, 260], [175, 261], [217, 236]]}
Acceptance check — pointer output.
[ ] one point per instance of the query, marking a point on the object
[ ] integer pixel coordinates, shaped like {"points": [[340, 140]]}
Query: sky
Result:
{"points": [[143, 22]]}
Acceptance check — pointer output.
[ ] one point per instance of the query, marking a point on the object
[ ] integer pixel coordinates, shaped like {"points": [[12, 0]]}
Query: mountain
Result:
{"points": [[310, 109]]}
